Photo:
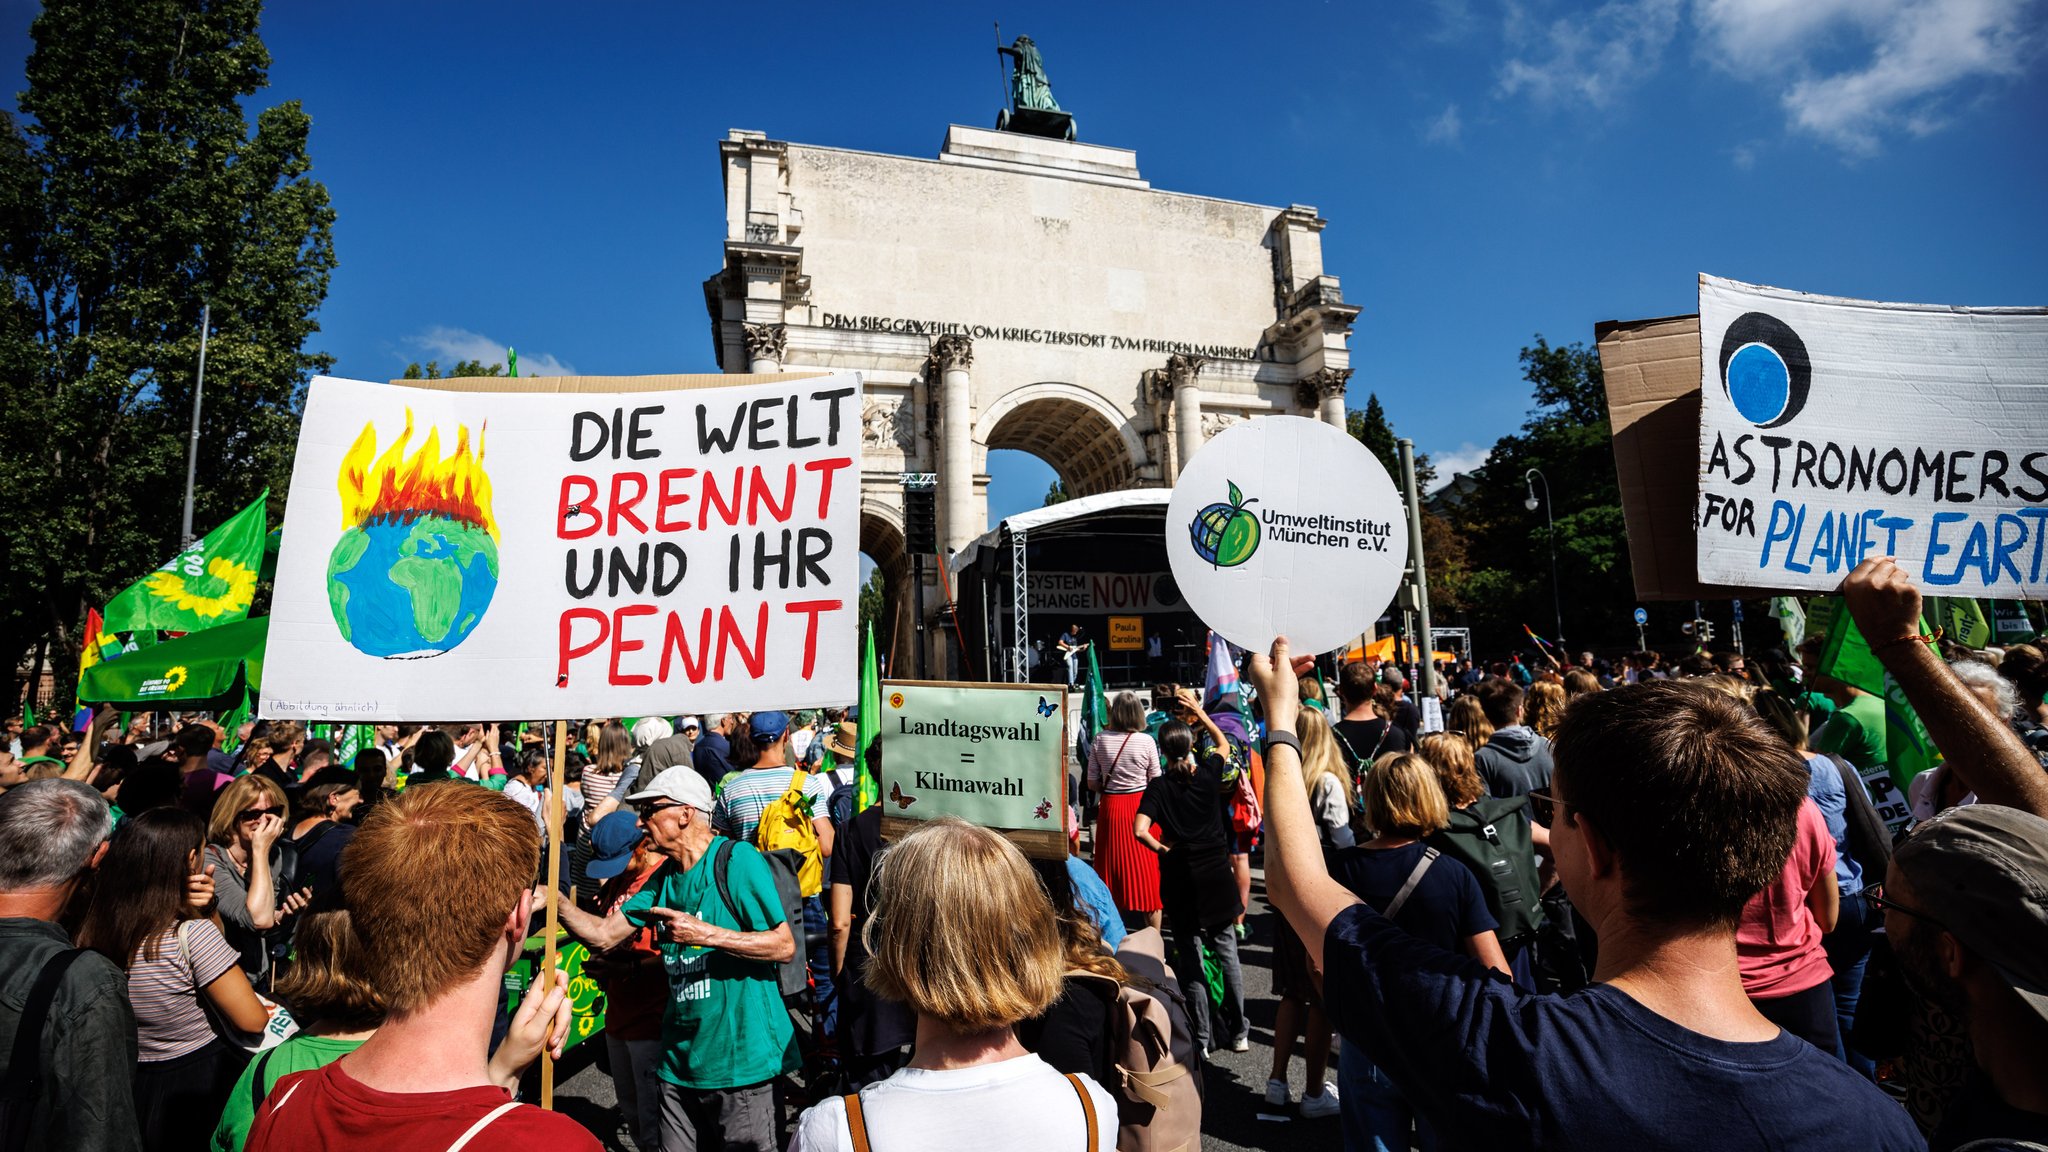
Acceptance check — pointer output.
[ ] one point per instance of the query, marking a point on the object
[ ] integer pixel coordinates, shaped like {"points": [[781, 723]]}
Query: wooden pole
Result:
{"points": [[554, 851]]}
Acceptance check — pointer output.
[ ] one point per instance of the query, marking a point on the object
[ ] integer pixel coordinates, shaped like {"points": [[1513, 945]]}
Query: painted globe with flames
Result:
{"points": [[417, 562]]}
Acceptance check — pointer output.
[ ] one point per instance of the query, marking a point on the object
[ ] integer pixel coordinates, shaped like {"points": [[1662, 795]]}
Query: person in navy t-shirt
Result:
{"points": [[1670, 807]]}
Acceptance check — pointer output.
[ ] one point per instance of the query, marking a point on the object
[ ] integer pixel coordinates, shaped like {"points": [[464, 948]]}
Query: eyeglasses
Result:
{"points": [[646, 810], [252, 815], [1544, 804], [1876, 896]]}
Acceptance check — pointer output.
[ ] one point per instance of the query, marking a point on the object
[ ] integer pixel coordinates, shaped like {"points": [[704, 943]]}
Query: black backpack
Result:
{"points": [[1869, 843], [793, 974], [25, 1064], [1491, 837]]}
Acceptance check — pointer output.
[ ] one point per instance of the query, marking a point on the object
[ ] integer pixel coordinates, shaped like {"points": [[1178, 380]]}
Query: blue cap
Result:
{"points": [[611, 845], [767, 727]]}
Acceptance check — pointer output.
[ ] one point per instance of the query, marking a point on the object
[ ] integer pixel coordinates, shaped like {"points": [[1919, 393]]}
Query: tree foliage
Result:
{"points": [[432, 370], [1056, 493], [133, 190], [1566, 439]]}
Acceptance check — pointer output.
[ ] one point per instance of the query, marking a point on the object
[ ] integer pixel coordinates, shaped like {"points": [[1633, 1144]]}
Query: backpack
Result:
{"points": [[25, 1063], [785, 825], [793, 974], [1869, 843], [1157, 1087], [1496, 846]]}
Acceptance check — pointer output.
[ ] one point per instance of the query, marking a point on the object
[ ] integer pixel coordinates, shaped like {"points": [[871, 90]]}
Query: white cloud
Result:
{"points": [[1465, 457], [449, 345], [1743, 156], [1594, 58], [1444, 128], [1906, 57]]}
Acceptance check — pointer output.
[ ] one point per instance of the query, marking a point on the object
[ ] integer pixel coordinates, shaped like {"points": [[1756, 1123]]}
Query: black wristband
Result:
{"points": [[1282, 736]]}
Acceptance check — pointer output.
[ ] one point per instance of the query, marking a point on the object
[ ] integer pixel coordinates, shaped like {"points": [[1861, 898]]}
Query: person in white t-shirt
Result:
{"points": [[961, 932]]}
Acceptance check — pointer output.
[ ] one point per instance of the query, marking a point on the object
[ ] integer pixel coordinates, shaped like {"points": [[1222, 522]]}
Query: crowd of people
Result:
{"points": [[1596, 906]]}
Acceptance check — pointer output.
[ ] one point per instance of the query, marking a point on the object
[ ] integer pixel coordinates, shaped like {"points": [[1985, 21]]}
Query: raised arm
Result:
{"points": [[1980, 748], [1295, 877]]}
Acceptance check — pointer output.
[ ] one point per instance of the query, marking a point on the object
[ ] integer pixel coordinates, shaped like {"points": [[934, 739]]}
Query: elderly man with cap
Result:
{"points": [[741, 801], [1966, 911], [719, 927]]}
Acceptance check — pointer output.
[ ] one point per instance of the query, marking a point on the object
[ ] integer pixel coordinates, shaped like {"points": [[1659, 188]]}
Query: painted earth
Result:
{"points": [[408, 588]]}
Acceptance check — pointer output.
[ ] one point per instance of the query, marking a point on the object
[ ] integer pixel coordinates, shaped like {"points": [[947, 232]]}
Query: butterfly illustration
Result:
{"points": [[902, 801], [1046, 708], [1044, 810]]}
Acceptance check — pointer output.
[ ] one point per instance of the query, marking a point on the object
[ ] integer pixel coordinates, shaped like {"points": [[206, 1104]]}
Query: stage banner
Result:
{"points": [[1286, 526], [1835, 430], [585, 547], [991, 754]]}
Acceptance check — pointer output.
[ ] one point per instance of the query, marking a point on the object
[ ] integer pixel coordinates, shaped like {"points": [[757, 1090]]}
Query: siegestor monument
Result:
{"points": [[1023, 290]]}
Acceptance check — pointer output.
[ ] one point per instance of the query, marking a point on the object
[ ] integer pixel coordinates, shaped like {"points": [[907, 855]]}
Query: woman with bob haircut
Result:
{"points": [[963, 934], [1121, 762], [255, 868], [1433, 898]]}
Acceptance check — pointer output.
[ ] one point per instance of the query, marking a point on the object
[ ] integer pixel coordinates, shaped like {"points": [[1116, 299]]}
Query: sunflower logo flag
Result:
{"points": [[210, 583]]}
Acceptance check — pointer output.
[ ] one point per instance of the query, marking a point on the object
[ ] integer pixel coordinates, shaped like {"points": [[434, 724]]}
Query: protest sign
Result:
{"points": [[1835, 430], [991, 754], [568, 547], [1286, 526]]}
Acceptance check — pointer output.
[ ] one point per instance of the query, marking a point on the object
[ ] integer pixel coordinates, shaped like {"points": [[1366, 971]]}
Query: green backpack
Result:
{"points": [[1491, 837]]}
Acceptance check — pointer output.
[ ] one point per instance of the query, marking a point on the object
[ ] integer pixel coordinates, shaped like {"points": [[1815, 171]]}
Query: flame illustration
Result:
{"points": [[402, 487]]}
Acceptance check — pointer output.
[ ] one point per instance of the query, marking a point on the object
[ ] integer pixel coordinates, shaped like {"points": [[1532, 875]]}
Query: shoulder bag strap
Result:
{"points": [[463, 1141], [1414, 878], [721, 863], [319, 830], [856, 1122], [25, 1065], [1087, 1108], [257, 1088]]}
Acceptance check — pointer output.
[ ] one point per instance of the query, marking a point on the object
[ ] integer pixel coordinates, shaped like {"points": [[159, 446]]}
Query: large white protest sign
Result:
{"points": [[486, 555], [1286, 526], [1835, 430]]}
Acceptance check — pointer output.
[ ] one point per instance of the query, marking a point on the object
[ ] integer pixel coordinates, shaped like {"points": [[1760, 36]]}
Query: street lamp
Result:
{"points": [[1556, 602]]}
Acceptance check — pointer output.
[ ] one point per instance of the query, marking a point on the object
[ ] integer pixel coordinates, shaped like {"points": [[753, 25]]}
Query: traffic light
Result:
{"points": [[1706, 632]]}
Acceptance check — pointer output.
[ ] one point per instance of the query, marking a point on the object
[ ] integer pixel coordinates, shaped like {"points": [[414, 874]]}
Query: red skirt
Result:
{"points": [[1129, 868]]}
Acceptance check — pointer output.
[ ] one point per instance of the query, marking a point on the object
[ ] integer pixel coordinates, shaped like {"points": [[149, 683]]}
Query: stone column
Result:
{"points": [[1181, 372], [1324, 392], [951, 357], [765, 346]]}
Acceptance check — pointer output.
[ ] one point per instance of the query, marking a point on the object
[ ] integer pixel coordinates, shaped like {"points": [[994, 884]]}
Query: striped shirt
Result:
{"points": [[743, 796], [169, 1021]]}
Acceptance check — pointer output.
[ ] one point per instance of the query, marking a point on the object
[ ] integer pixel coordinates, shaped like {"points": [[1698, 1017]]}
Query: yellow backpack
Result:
{"points": [[786, 824]]}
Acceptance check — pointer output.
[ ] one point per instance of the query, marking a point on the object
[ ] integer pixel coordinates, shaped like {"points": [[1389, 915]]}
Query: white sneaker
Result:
{"points": [[1321, 1104], [1241, 1044], [1278, 1094]]}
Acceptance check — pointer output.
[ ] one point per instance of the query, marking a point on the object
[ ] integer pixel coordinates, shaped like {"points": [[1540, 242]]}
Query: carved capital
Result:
{"points": [[949, 352], [1181, 370], [1155, 386], [766, 341], [1317, 387]]}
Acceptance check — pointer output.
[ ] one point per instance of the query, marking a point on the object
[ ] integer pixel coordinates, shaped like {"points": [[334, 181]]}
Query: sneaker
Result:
{"points": [[1241, 1044], [1244, 931], [1278, 1094], [1321, 1104]]}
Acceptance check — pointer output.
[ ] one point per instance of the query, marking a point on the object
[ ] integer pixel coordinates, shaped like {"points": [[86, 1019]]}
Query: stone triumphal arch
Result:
{"points": [[1019, 292]]}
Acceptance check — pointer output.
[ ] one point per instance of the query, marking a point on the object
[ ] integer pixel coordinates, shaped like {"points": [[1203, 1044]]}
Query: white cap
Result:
{"points": [[681, 784], [690, 722]]}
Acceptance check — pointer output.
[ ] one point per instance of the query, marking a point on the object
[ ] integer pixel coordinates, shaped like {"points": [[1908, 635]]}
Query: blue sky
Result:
{"points": [[546, 175]]}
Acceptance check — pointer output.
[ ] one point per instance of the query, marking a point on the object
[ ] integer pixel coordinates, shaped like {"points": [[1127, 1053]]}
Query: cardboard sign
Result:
{"points": [[1127, 633], [991, 754], [605, 547], [1835, 430], [1286, 526]]}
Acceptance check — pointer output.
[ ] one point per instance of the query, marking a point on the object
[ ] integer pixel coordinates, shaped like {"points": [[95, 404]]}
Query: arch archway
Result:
{"points": [[1080, 434], [881, 538]]}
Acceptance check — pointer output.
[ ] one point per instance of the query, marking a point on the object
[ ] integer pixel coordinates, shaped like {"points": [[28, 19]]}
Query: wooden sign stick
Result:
{"points": [[553, 925]]}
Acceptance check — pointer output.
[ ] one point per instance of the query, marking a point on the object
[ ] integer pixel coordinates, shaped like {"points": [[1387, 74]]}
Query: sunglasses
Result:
{"points": [[646, 810], [1876, 896], [252, 815], [1544, 804]]}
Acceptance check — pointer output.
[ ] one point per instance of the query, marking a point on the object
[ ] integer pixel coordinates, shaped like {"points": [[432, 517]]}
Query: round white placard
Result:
{"points": [[1283, 526]]}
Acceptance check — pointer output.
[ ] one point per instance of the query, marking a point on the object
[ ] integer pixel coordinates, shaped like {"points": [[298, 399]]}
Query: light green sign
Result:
{"points": [[991, 754]]}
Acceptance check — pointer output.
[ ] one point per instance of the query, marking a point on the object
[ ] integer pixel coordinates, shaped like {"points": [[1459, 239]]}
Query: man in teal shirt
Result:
{"points": [[725, 1035]]}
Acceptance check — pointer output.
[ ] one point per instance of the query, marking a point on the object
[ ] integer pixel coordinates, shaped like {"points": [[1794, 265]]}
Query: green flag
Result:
{"points": [[1960, 619], [230, 724], [1847, 657], [28, 712], [1791, 620], [210, 583], [867, 790]]}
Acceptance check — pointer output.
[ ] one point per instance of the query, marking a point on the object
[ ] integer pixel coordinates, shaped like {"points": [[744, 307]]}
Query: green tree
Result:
{"points": [[1057, 494], [134, 189], [874, 605], [432, 370], [1371, 428], [1443, 549], [1566, 438]]}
